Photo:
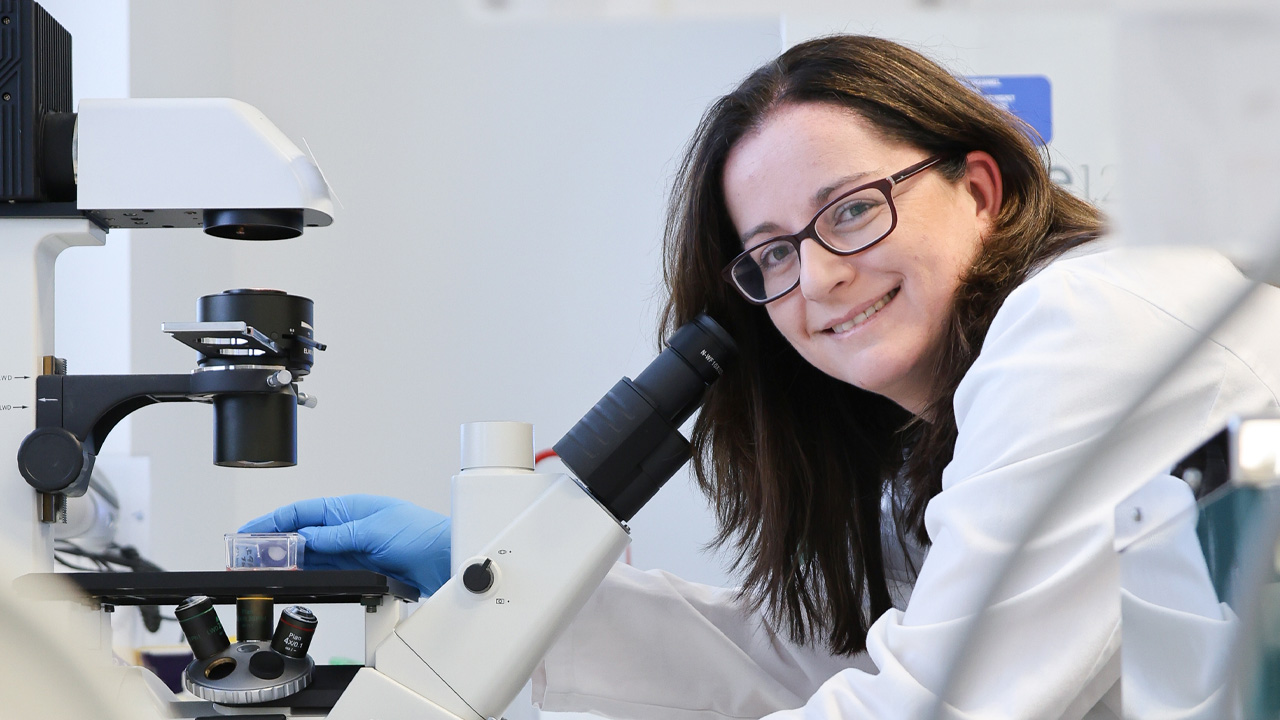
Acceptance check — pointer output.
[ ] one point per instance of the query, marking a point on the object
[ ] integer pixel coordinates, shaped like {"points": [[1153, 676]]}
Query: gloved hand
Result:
{"points": [[353, 532]]}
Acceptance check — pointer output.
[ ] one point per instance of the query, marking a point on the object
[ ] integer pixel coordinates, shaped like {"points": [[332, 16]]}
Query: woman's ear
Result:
{"points": [[985, 185]]}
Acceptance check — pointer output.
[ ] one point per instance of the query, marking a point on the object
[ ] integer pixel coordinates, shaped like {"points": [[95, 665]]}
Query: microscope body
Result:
{"points": [[528, 550], [523, 569]]}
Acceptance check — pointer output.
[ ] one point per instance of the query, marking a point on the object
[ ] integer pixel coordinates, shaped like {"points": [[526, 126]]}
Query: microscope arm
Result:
{"points": [[74, 414]]}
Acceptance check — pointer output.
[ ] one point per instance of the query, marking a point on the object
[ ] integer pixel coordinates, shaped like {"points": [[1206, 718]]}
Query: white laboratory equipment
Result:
{"points": [[69, 178]]}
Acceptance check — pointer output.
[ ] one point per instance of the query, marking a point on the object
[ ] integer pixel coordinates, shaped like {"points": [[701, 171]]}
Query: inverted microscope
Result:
{"points": [[67, 177], [528, 548]]}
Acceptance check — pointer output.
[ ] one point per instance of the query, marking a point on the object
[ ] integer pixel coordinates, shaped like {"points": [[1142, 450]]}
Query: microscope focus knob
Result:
{"points": [[53, 461], [478, 577]]}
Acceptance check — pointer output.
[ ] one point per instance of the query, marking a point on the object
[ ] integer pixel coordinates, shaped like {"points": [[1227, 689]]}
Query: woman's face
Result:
{"points": [[804, 155]]}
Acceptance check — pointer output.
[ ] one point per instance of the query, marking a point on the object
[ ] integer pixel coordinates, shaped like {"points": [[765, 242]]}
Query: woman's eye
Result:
{"points": [[775, 255], [853, 211]]}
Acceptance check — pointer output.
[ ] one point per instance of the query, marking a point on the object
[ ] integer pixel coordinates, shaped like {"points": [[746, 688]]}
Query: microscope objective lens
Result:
{"points": [[294, 631], [202, 627], [254, 616]]}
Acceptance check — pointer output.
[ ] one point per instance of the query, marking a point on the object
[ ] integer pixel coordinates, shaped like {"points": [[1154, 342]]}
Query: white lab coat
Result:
{"points": [[1065, 358]]}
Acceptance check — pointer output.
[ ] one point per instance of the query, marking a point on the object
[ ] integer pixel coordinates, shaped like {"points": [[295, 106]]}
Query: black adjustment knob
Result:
{"points": [[478, 577], [51, 459]]}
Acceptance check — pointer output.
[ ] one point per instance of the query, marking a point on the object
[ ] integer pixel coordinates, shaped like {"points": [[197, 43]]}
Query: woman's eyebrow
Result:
{"points": [[761, 228], [820, 198]]}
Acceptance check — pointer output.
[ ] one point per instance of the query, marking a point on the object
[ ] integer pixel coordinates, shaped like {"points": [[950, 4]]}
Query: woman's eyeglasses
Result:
{"points": [[849, 224]]}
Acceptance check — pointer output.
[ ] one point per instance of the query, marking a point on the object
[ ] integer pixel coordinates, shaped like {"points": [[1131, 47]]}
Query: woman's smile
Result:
{"points": [[859, 319]]}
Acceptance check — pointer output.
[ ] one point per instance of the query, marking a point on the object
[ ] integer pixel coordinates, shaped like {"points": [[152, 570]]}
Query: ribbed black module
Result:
{"points": [[35, 80]]}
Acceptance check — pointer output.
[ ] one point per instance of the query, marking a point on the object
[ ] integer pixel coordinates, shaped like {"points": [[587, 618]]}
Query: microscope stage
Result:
{"points": [[171, 588]]}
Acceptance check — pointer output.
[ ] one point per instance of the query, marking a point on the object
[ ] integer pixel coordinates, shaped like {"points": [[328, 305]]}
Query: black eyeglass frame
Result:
{"points": [[810, 231]]}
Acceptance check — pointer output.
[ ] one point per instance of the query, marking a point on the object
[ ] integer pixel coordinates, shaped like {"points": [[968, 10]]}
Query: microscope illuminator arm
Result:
{"points": [[75, 413]]}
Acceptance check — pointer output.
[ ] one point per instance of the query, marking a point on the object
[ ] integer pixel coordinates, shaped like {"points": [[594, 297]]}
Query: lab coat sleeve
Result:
{"points": [[1047, 405], [650, 645]]}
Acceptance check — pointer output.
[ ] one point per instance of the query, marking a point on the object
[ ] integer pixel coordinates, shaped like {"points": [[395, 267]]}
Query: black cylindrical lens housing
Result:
{"points": [[294, 632], [202, 627], [260, 429], [255, 430], [675, 382], [285, 319], [254, 616], [254, 223], [629, 445]]}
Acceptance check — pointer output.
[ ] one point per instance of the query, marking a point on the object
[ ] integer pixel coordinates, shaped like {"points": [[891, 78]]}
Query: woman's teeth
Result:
{"points": [[862, 316]]}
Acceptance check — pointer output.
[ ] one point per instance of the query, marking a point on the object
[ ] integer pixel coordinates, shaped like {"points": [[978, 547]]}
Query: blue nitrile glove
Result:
{"points": [[367, 532]]}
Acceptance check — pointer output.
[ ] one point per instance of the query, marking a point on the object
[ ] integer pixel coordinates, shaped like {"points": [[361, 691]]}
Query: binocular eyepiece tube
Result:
{"points": [[630, 444]]}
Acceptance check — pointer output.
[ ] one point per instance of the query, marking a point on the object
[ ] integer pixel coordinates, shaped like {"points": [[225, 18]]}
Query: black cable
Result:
{"points": [[150, 617], [123, 556], [138, 563], [126, 556], [64, 563]]}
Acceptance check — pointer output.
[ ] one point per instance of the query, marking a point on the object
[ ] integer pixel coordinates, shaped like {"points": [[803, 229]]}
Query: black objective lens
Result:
{"points": [[253, 618], [294, 632], [629, 445], [201, 626]]}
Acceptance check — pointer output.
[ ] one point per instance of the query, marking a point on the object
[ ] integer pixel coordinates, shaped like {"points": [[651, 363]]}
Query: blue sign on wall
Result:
{"points": [[1027, 96]]}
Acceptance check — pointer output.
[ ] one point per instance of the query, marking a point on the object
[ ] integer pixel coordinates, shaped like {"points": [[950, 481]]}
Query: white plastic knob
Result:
{"points": [[497, 445]]}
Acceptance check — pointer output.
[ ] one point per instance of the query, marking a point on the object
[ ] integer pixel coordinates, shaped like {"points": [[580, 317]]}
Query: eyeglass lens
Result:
{"points": [[852, 223]]}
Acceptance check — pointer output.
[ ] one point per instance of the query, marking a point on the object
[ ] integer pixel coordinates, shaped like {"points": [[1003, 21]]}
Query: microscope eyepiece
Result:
{"points": [[627, 447], [705, 346]]}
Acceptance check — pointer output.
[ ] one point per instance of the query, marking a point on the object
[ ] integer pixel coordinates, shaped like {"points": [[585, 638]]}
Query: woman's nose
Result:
{"points": [[822, 271]]}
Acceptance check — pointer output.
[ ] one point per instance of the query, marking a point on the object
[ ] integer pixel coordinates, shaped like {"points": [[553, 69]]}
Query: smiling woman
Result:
{"points": [[945, 335], [860, 360]]}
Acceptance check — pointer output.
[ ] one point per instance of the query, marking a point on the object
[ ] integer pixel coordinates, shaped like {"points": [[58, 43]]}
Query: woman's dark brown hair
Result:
{"points": [[795, 462]]}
